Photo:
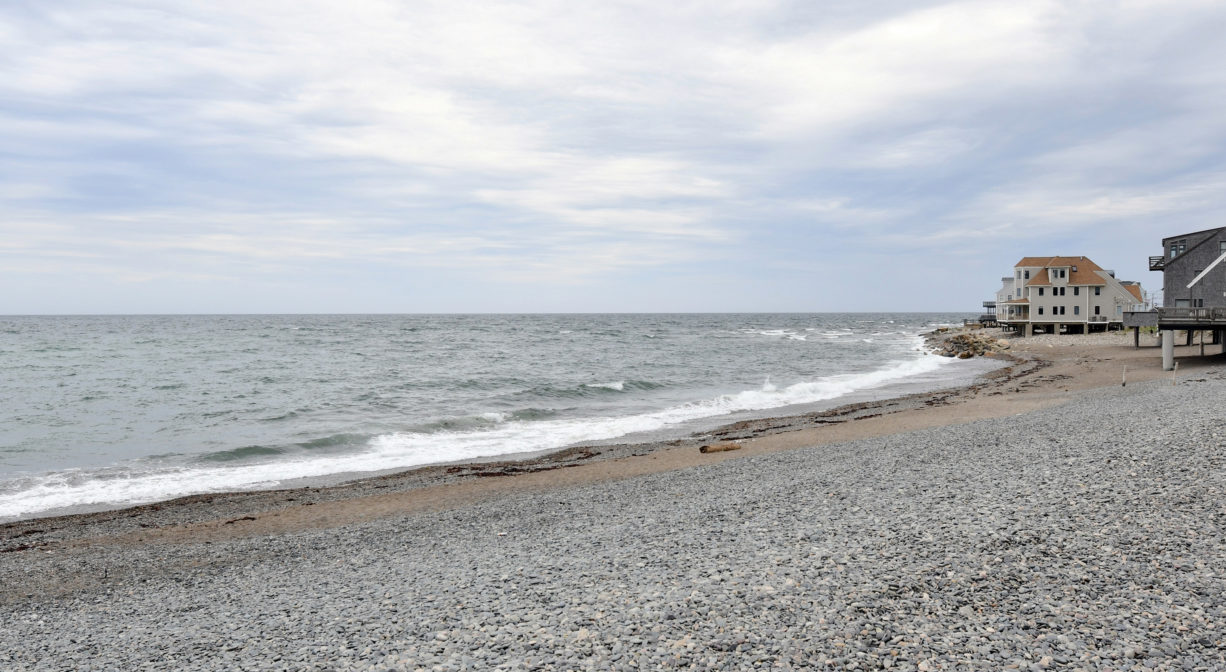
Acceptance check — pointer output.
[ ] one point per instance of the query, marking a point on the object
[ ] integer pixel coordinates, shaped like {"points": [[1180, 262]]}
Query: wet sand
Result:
{"points": [[1042, 372]]}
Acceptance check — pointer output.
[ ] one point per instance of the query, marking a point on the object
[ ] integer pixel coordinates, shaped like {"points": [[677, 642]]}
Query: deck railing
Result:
{"points": [[1193, 314], [1157, 263]]}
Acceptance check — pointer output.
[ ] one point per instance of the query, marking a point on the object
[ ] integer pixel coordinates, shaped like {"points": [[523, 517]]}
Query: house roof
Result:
{"points": [[1086, 273], [1084, 277], [1135, 290], [1194, 233], [1017, 301]]}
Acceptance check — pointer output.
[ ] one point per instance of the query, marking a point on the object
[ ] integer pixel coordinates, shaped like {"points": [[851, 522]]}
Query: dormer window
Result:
{"points": [[1178, 247]]}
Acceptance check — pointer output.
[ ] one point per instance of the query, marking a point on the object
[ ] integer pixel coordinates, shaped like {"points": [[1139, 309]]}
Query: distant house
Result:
{"points": [[1064, 294], [989, 315], [1005, 293]]}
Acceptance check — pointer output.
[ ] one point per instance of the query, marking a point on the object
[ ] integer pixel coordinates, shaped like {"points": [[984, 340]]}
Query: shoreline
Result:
{"points": [[236, 506], [64, 489], [1038, 374], [685, 432]]}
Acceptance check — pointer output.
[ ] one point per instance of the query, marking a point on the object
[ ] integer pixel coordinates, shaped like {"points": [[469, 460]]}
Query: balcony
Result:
{"points": [[1157, 263], [1192, 316]]}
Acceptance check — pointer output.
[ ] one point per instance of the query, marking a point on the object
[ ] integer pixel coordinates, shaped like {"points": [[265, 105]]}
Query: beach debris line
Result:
{"points": [[719, 447]]}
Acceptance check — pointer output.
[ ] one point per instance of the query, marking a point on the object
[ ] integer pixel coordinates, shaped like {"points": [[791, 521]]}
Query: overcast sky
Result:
{"points": [[369, 156]]}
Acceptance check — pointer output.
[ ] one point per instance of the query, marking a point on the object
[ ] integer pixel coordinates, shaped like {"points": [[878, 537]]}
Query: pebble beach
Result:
{"points": [[1083, 535]]}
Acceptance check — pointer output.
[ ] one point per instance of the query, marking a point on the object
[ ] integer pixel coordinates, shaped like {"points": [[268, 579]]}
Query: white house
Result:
{"points": [[1064, 294]]}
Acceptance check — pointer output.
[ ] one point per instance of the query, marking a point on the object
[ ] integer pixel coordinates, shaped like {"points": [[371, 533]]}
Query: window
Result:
{"points": [[1178, 247], [1019, 292], [1061, 310], [1028, 273], [1221, 247], [1098, 291], [1019, 275], [1098, 310], [1040, 291], [1076, 310], [1063, 290], [1062, 270], [1077, 290], [1040, 310]]}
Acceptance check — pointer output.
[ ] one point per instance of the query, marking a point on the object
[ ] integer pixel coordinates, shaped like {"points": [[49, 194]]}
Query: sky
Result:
{"points": [[438, 157]]}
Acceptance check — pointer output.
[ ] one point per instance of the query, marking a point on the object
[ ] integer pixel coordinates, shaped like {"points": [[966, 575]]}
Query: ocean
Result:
{"points": [[100, 412]]}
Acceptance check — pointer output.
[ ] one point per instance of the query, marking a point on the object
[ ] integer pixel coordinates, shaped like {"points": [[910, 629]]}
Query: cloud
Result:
{"points": [[539, 141], [903, 68], [1054, 205]]}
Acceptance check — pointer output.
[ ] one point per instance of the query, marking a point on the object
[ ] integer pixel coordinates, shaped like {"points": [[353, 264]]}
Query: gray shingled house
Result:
{"points": [[1186, 256], [1193, 269]]}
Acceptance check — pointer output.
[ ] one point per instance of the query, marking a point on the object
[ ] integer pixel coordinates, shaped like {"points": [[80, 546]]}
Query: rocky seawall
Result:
{"points": [[964, 344]]}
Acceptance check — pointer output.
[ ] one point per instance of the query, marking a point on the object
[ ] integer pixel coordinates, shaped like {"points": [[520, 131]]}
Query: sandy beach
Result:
{"points": [[509, 527]]}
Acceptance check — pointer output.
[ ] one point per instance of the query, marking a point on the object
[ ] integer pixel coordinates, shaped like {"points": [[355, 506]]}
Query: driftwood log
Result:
{"points": [[719, 447]]}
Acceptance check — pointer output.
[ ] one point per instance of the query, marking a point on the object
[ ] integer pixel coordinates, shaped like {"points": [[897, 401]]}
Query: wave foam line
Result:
{"points": [[127, 486]]}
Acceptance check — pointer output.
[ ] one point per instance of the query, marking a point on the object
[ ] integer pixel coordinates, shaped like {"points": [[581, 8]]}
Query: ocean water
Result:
{"points": [[102, 411]]}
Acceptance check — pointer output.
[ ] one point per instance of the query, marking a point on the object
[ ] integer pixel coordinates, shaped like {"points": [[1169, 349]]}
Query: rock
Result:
{"points": [[967, 345]]}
